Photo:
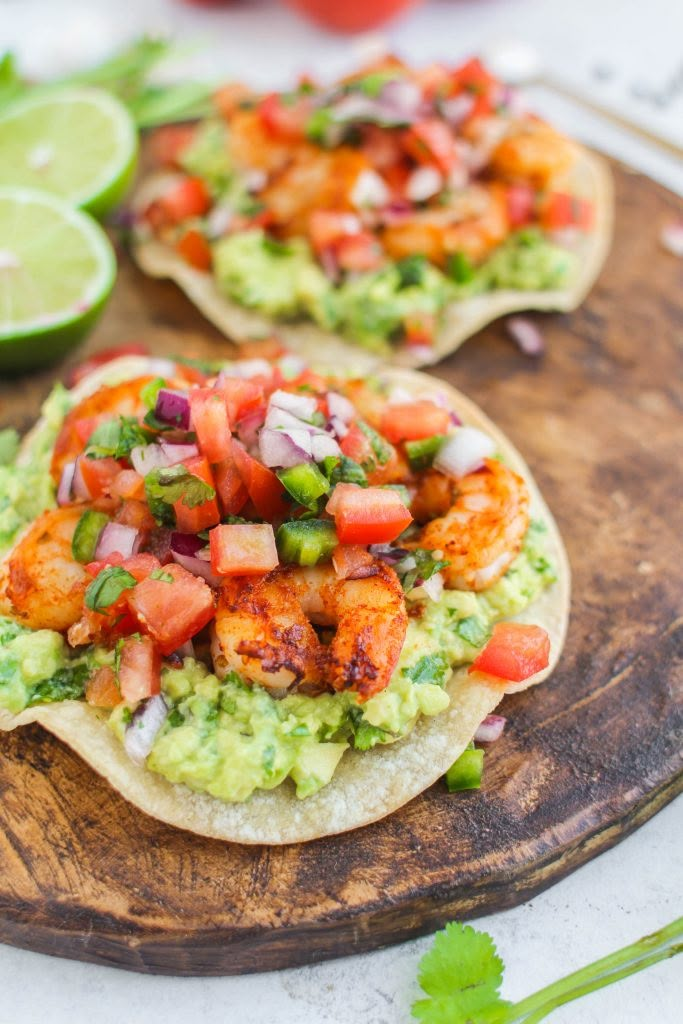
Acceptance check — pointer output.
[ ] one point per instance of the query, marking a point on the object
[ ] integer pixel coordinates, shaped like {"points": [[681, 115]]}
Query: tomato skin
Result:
{"points": [[139, 669], [172, 612], [514, 653], [359, 252], [201, 517], [243, 398], [265, 490], [243, 549], [101, 690], [187, 198], [413, 421], [98, 474], [128, 484], [367, 515], [211, 423], [195, 249], [560, 210], [132, 348], [283, 121], [521, 201], [431, 142], [140, 566], [232, 492], [351, 15]]}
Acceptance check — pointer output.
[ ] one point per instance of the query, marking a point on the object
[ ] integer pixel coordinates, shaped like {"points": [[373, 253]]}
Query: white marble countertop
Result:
{"points": [[624, 54]]}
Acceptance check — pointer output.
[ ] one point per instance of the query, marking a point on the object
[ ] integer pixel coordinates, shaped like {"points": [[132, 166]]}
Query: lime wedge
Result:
{"points": [[57, 269], [79, 144]]}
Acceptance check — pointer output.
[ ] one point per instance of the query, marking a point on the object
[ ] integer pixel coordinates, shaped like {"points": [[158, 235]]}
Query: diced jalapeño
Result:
{"points": [[87, 534], [305, 483], [421, 454], [306, 541]]}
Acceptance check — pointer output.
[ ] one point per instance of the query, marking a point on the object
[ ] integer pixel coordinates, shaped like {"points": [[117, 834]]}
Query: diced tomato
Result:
{"points": [[188, 197], [521, 202], [139, 669], [359, 252], [309, 381], [98, 474], [514, 653], [284, 120], [140, 566], [211, 423], [265, 490], [411, 421], [382, 148], [101, 690], [420, 329], [473, 76], [93, 568], [172, 611], [169, 142], [242, 396], [431, 142], [367, 515], [128, 484], [132, 348], [355, 445], [326, 227], [195, 249], [201, 517], [560, 210], [136, 513], [243, 549], [232, 492], [352, 561]]}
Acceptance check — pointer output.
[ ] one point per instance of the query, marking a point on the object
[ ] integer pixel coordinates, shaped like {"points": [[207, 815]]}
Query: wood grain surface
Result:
{"points": [[585, 759]]}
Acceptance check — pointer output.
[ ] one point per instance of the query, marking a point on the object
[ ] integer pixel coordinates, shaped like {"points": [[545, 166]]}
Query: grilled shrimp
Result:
{"points": [[534, 153], [482, 532], [43, 585], [264, 629], [117, 400]]}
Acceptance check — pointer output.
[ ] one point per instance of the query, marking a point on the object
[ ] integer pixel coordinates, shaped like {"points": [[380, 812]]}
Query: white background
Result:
{"points": [[625, 55]]}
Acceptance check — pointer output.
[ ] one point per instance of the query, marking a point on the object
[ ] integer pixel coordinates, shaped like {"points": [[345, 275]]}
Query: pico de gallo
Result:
{"points": [[370, 205], [251, 567]]}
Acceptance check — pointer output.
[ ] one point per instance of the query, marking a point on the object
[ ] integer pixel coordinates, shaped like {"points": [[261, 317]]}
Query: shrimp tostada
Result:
{"points": [[266, 603], [399, 210]]}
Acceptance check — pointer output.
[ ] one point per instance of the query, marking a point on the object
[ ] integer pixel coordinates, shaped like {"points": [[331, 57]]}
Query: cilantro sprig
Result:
{"points": [[117, 438], [176, 483], [425, 567], [462, 975]]}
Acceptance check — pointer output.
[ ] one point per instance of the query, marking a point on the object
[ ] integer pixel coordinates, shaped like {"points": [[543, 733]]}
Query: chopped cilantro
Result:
{"points": [[275, 248], [117, 438], [175, 718], [176, 483], [460, 268], [430, 668], [473, 631], [411, 270], [425, 567], [107, 587], [365, 736], [67, 683], [159, 574]]}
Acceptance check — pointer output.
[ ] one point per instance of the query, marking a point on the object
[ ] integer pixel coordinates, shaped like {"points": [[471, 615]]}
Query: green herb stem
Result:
{"points": [[661, 945]]}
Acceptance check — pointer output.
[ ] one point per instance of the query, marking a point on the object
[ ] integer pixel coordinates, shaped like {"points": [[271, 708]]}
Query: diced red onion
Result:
{"points": [[185, 543], [455, 419], [397, 212], [526, 335], [671, 237], [79, 487], [406, 564], [491, 729], [65, 483], [245, 368], [400, 396], [458, 108], [301, 406], [369, 189], [324, 447], [146, 457], [176, 453], [291, 365], [118, 537], [402, 96], [422, 353], [464, 452], [341, 407], [248, 428], [338, 427], [198, 567], [284, 448], [388, 554], [142, 729], [423, 183], [173, 407]]}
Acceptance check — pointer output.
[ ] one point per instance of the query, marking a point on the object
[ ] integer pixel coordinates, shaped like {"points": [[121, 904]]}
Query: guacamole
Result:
{"points": [[285, 282]]}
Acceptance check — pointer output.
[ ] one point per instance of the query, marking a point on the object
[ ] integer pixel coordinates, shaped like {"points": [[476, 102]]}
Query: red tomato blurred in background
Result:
{"points": [[351, 15]]}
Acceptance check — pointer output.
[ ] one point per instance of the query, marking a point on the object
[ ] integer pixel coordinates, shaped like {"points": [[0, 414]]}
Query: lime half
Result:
{"points": [[79, 144], [57, 269]]}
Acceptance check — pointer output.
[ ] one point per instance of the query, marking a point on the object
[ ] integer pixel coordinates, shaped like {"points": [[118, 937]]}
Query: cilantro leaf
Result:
{"points": [[117, 438], [67, 683], [425, 567], [462, 973], [473, 630], [430, 668], [176, 483], [107, 587], [412, 270], [365, 736], [159, 574]]}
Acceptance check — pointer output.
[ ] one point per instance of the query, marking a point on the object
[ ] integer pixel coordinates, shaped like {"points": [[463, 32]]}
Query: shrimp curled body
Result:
{"points": [[482, 533], [264, 629]]}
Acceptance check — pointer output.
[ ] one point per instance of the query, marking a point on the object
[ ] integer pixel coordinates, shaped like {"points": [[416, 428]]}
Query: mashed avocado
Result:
{"points": [[527, 261], [35, 668], [26, 488]]}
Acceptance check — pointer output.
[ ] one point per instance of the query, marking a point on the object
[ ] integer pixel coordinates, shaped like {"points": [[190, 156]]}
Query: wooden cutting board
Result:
{"points": [[585, 759]]}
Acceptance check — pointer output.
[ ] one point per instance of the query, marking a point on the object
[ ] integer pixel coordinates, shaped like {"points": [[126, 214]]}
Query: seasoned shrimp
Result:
{"points": [[264, 629], [534, 153], [42, 584], [117, 400], [482, 533]]}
